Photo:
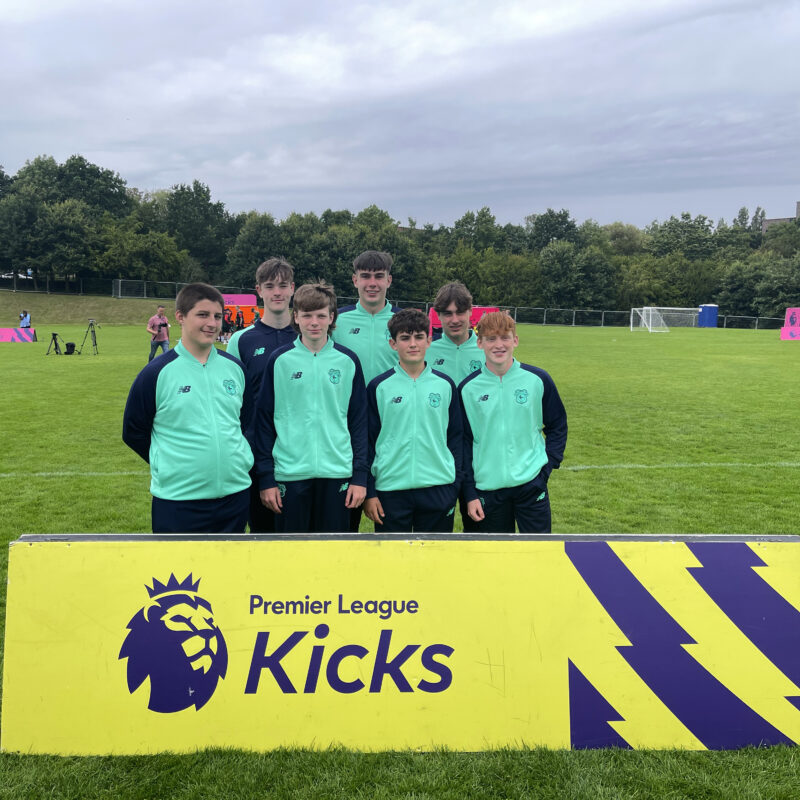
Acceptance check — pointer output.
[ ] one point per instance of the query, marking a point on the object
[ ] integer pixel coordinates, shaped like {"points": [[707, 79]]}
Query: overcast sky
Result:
{"points": [[615, 109]]}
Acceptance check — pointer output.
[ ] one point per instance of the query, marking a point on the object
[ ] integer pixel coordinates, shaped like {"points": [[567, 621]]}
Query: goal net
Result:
{"points": [[659, 319]]}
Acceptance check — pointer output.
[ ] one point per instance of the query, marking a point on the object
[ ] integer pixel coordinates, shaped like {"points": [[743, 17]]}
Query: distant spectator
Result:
{"points": [[239, 319], [158, 328], [24, 319]]}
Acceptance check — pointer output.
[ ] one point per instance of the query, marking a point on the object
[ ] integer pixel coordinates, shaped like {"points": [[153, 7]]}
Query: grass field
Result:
{"points": [[688, 432]]}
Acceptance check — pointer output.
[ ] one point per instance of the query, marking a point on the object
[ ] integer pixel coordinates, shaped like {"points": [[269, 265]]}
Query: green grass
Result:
{"points": [[688, 432], [48, 310]]}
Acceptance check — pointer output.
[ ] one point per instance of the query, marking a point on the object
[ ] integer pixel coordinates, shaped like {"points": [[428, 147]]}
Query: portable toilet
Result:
{"points": [[707, 317]]}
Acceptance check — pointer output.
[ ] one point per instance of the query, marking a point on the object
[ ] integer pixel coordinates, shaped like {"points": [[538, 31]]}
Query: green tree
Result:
{"points": [[625, 240], [64, 240], [201, 227], [598, 278], [19, 211], [783, 238], [258, 240], [99, 188], [779, 289], [690, 236], [561, 276], [5, 182], [551, 226], [131, 251], [738, 285]]}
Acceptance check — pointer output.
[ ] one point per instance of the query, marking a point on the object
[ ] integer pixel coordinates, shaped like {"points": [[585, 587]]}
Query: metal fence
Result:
{"points": [[572, 317]]}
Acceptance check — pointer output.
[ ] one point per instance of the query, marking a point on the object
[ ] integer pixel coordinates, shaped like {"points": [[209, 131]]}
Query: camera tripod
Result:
{"points": [[90, 329], [54, 345]]}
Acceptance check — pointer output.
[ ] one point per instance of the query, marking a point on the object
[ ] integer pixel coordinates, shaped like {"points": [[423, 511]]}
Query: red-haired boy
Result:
{"points": [[515, 431]]}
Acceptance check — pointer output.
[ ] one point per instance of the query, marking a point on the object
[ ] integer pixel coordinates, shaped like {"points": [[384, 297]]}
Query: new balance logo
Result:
{"points": [[355, 330], [397, 399], [483, 398], [184, 389], [438, 362], [296, 375], [259, 351]]}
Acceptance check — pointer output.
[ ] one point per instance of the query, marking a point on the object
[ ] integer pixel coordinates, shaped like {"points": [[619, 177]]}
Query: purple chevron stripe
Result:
{"points": [[769, 621], [589, 715], [17, 335], [716, 716]]}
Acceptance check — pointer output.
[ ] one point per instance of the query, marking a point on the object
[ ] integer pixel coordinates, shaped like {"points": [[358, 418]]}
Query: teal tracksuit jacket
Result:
{"points": [[415, 431], [186, 419], [457, 361], [515, 428], [367, 336], [311, 416]]}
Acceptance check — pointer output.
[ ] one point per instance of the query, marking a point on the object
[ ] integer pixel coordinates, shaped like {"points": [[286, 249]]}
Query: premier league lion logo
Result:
{"points": [[174, 642]]}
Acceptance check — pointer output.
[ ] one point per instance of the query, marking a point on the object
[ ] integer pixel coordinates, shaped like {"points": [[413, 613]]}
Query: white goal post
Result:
{"points": [[659, 319]]}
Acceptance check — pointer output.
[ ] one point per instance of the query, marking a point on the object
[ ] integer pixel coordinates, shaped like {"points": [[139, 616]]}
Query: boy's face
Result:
{"points": [[499, 349], [411, 347], [455, 323], [372, 287], [314, 324], [201, 324], [276, 294]]}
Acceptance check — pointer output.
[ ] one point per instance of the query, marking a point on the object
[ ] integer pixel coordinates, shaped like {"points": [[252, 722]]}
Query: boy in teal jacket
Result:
{"points": [[185, 416], [415, 437], [311, 424], [515, 432]]}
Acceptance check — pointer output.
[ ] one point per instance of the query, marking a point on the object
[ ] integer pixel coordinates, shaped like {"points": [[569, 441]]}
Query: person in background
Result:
{"points": [[24, 319], [158, 328]]}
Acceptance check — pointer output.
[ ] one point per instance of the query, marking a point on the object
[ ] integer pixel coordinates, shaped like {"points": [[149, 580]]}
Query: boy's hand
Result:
{"points": [[355, 495], [374, 510], [475, 510], [271, 498]]}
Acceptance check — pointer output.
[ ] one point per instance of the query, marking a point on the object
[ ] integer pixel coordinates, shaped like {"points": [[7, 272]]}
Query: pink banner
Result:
{"points": [[17, 334], [240, 299], [790, 332]]}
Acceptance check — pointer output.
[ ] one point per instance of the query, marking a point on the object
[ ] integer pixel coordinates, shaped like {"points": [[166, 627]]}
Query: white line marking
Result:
{"points": [[696, 465], [568, 468], [68, 474]]}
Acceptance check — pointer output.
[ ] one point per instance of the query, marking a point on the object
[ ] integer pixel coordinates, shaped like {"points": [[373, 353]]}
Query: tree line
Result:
{"points": [[77, 220]]}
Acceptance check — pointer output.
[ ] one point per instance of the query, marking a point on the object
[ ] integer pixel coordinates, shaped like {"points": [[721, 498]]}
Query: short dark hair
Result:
{"points": [[274, 269], [311, 296], [409, 320], [454, 292], [373, 261], [193, 293]]}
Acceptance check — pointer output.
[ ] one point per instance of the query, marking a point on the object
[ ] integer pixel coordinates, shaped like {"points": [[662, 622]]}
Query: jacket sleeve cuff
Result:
{"points": [[359, 478]]}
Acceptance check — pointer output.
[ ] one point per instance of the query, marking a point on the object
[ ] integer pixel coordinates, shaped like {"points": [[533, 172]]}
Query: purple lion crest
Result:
{"points": [[174, 641]]}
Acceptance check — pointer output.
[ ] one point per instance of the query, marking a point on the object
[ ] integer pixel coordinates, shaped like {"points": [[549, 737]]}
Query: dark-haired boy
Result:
{"points": [[185, 416], [456, 352], [415, 436], [515, 432], [253, 346], [311, 424], [363, 327]]}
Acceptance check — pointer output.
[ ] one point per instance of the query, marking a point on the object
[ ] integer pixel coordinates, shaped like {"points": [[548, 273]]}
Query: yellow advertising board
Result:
{"points": [[144, 644]]}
